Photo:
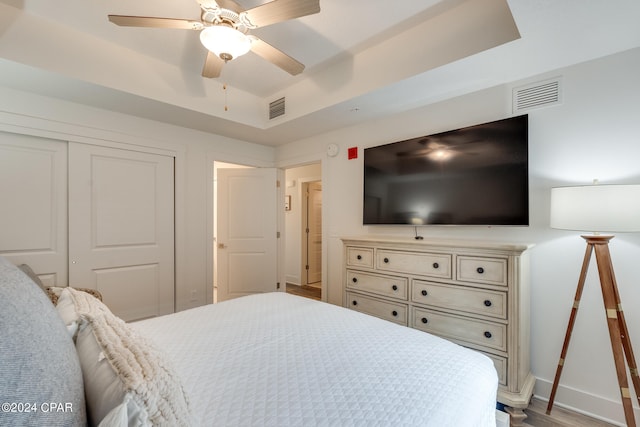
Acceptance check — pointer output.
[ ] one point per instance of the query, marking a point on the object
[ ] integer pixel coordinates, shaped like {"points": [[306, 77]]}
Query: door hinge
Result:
{"points": [[277, 234], [278, 285], [306, 267], [277, 183]]}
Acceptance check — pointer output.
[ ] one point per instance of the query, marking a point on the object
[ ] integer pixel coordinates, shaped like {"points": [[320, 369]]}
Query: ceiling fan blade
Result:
{"points": [[230, 4], [277, 57], [212, 66], [224, 4], [147, 21], [278, 11]]}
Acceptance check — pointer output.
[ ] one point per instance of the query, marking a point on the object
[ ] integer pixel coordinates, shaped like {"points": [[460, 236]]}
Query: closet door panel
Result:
{"points": [[33, 204], [121, 216]]}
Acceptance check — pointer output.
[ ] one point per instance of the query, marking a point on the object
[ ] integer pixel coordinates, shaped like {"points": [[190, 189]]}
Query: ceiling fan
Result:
{"points": [[224, 30]]}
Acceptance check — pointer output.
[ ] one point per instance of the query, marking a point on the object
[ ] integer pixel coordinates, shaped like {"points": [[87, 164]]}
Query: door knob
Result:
{"points": [[221, 246]]}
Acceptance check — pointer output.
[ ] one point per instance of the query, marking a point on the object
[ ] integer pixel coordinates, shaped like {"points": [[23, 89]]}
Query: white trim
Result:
{"points": [[210, 237], [594, 406], [301, 184], [27, 125]]}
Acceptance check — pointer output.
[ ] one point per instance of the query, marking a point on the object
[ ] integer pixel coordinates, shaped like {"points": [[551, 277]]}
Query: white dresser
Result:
{"points": [[473, 293]]}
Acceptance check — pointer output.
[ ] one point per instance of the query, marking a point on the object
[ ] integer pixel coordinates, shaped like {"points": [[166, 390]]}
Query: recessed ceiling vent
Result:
{"points": [[537, 95], [276, 108]]}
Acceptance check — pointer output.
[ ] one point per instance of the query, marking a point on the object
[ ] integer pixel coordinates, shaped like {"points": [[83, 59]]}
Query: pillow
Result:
{"points": [[54, 292], [38, 361], [126, 377], [67, 311], [32, 275]]}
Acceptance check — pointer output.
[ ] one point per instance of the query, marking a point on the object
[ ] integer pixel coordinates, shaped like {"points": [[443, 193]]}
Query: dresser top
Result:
{"points": [[411, 242]]}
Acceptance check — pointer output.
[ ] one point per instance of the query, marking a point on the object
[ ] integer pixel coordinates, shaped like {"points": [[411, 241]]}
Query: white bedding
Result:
{"points": [[281, 360]]}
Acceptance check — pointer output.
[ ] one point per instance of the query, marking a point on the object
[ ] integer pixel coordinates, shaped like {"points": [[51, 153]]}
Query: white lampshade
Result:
{"points": [[596, 208], [226, 42]]}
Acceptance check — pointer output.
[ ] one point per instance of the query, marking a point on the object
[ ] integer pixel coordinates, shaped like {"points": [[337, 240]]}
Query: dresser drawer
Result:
{"points": [[422, 263], [491, 271], [479, 333], [501, 367], [390, 286], [394, 312], [462, 298], [360, 257]]}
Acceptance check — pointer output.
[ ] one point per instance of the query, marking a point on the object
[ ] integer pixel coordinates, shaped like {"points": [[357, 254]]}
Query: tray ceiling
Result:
{"points": [[364, 58]]}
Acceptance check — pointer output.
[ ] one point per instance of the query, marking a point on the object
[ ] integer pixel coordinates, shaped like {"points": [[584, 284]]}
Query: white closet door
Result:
{"points": [[33, 204], [121, 228]]}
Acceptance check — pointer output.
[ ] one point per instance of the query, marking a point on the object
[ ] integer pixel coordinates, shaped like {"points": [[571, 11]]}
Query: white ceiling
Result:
{"points": [[364, 58]]}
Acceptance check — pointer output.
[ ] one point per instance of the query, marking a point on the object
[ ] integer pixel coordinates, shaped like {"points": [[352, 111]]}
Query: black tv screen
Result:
{"points": [[477, 175]]}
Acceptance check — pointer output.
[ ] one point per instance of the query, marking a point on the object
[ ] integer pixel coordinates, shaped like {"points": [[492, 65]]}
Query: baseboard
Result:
{"points": [[293, 280], [594, 406]]}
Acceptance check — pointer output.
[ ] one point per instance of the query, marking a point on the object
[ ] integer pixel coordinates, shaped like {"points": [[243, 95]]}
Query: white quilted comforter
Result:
{"points": [[281, 360]]}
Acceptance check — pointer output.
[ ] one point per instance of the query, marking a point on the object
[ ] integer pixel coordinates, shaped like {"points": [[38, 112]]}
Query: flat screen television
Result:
{"points": [[477, 175]]}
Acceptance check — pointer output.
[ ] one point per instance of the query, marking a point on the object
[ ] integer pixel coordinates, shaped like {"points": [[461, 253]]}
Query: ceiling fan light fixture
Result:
{"points": [[226, 42]]}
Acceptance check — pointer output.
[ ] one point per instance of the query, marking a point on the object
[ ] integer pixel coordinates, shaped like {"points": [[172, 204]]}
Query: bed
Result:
{"points": [[263, 360]]}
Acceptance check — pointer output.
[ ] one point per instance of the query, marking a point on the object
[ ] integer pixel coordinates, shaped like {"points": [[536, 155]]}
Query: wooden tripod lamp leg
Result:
{"points": [[613, 310], [626, 341], [572, 319]]}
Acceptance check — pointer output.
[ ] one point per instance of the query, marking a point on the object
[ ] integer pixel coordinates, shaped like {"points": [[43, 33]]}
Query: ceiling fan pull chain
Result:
{"points": [[224, 87]]}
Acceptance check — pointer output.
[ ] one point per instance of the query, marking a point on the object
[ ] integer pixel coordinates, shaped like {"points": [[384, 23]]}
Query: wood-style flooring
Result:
{"points": [[537, 417], [304, 291]]}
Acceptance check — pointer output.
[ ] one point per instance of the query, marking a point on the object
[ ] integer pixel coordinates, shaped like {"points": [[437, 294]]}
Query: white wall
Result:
{"points": [[294, 178], [595, 133], [26, 113]]}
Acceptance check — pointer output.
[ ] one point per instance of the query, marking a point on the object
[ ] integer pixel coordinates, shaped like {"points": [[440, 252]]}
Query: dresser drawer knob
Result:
{"points": [[354, 280], [394, 287], [359, 257], [487, 334], [480, 270], [425, 320], [354, 302], [394, 313], [487, 303], [424, 293], [386, 260], [436, 265]]}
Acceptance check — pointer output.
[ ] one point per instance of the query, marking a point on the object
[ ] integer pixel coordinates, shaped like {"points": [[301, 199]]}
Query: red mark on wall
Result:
{"points": [[352, 153]]}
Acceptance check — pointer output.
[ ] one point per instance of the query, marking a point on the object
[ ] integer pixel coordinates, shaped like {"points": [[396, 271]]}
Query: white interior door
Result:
{"points": [[314, 233], [121, 228], [247, 226], [33, 211]]}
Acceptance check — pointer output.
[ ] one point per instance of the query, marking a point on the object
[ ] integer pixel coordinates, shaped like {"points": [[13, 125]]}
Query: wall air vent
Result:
{"points": [[537, 95], [276, 108]]}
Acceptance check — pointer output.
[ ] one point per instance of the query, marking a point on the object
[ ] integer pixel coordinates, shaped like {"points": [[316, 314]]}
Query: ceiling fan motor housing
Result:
{"points": [[219, 16]]}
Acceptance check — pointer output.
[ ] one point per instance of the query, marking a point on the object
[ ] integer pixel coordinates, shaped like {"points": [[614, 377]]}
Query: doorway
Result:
{"points": [[311, 244], [296, 221], [303, 226]]}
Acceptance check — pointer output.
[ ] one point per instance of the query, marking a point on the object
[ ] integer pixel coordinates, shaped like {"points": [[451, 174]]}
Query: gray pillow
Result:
{"points": [[26, 269], [38, 361]]}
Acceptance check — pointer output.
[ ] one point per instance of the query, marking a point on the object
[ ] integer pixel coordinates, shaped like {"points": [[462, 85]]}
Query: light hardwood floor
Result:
{"points": [[537, 417], [304, 291]]}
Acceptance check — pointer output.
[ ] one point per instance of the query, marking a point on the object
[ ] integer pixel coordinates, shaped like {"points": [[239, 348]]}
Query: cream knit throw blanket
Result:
{"points": [[145, 374]]}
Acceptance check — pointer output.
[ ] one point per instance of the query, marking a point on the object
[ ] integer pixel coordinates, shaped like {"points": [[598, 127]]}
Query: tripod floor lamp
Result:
{"points": [[601, 208]]}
